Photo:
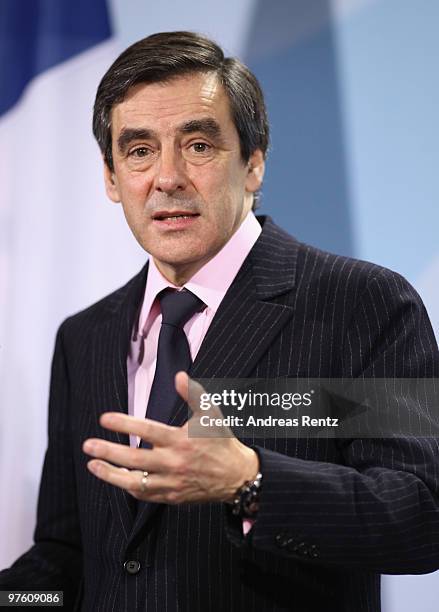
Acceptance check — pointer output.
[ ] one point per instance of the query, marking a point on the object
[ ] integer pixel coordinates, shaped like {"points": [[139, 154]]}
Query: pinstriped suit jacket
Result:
{"points": [[334, 514]]}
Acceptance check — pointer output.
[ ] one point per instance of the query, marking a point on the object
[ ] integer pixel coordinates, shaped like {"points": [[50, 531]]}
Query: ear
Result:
{"points": [[256, 169], [111, 184]]}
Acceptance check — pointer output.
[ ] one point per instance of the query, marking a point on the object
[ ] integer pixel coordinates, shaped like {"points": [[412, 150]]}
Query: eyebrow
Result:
{"points": [[128, 135], [207, 126]]}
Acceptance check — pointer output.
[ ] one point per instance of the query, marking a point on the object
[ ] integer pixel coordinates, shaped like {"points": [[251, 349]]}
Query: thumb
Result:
{"points": [[189, 390], [196, 396], [198, 400]]}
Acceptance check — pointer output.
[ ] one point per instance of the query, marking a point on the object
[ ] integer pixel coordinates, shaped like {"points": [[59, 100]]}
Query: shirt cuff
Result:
{"points": [[247, 524]]}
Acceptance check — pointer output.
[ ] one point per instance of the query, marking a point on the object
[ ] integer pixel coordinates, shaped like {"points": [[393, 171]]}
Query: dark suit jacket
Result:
{"points": [[334, 514]]}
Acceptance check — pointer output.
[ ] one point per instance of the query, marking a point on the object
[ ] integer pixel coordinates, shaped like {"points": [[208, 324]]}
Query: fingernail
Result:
{"points": [[93, 467], [89, 447], [107, 417]]}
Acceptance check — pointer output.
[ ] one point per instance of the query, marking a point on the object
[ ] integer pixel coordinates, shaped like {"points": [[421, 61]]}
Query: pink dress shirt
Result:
{"points": [[210, 284]]}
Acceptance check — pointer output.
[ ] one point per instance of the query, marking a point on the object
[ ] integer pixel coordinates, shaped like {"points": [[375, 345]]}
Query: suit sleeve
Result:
{"points": [[378, 509], [54, 561]]}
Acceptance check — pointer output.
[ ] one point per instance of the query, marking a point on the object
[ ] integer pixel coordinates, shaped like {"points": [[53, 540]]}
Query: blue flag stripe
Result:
{"points": [[38, 34]]}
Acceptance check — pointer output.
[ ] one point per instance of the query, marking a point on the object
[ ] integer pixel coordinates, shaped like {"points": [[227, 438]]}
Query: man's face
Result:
{"points": [[178, 171]]}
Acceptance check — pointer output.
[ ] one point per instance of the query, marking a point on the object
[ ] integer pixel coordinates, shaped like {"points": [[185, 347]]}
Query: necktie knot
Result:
{"points": [[178, 306]]}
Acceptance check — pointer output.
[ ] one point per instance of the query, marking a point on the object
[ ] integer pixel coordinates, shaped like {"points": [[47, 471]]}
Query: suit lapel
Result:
{"points": [[246, 323], [242, 330], [110, 345], [248, 319]]}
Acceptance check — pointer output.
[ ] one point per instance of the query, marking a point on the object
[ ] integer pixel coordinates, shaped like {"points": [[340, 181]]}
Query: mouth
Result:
{"points": [[173, 215], [174, 221]]}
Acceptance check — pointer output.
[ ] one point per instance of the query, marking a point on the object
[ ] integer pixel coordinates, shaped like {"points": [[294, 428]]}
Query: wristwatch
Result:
{"points": [[245, 504]]}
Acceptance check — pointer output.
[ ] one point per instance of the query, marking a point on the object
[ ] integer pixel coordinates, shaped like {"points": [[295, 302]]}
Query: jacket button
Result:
{"points": [[291, 544], [132, 567], [313, 551], [302, 549], [281, 540]]}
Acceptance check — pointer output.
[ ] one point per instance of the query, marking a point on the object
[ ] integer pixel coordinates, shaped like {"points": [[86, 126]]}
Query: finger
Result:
{"points": [[182, 385], [120, 477], [125, 456], [130, 480], [151, 431], [193, 393], [155, 487], [199, 401]]}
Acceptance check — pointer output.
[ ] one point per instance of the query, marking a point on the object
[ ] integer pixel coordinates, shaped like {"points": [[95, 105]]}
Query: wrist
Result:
{"points": [[247, 468], [246, 501], [246, 487]]}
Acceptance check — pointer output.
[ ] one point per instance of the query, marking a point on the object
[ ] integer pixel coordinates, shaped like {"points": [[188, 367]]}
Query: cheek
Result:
{"points": [[133, 186], [133, 195], [219, 193], [229, 199]]}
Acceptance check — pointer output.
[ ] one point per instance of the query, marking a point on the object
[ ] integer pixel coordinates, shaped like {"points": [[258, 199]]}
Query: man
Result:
{"points": [[217, 523]]}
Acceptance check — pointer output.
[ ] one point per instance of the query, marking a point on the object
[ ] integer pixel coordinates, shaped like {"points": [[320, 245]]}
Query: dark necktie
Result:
{"points": [[173, 352]]}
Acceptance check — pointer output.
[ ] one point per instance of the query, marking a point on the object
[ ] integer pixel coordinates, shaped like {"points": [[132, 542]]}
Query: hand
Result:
{"points": [[180, 468]]}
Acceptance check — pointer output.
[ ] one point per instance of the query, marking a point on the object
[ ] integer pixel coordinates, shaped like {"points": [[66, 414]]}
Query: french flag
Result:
{"points": [[62, 245]]}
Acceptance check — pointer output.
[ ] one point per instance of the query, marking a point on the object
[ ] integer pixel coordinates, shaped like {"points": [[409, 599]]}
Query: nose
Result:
{"points": [[171, 173]]}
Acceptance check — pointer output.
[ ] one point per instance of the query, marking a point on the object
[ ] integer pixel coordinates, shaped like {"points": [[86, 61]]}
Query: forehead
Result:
{"points": [[166, 105]]}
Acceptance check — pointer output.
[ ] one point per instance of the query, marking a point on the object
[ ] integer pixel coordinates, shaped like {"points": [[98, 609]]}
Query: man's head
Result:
{"points": [[182, 129]]}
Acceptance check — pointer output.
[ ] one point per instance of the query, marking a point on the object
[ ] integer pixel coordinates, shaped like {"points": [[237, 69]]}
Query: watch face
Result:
{"points": [[246, 501], [250, 498], [254, 505]]}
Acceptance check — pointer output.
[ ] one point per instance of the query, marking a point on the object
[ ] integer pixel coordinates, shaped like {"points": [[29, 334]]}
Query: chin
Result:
{"points": [[173, 254], [185, 259]]}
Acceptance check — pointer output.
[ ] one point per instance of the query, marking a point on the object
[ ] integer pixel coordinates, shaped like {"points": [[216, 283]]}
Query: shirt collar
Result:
{"points": [[212, 281]]}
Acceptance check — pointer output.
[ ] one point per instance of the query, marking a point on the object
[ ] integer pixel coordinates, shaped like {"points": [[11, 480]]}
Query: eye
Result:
{"points": [[200, 147], [140, 152]]}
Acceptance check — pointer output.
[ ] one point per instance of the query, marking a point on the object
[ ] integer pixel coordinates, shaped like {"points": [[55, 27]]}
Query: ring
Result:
{"points": [[143, 483]]}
